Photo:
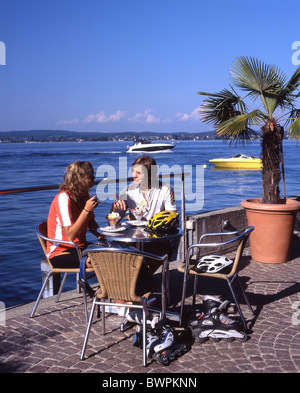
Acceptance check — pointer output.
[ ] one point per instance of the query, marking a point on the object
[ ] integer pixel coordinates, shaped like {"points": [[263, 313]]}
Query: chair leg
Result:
{"points": [[86, 337], [184, 286], [144, 338], [103, 319], [61, 287], [41, 294], [168, 283], [163, 290], [85, 306], [195, 289], [245, 296], [237, 303]]}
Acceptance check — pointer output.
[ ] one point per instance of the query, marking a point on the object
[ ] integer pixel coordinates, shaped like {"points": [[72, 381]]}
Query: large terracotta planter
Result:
{"points": [[271, 240]]}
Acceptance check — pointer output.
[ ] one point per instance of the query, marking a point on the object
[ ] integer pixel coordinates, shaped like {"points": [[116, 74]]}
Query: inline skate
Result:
{"points": [[165, 347], [214, 324], [161, 343]]}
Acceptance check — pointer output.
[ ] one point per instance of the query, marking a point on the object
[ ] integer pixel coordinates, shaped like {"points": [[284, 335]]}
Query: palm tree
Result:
{"points": [[234, 119]]}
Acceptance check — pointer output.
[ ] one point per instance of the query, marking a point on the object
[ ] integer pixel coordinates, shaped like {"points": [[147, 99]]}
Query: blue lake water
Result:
{"points": [[38, 164]]}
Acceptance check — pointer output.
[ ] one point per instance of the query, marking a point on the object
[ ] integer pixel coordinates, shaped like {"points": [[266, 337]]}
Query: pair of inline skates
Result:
{"points": [[163, 344], [212, 323]]}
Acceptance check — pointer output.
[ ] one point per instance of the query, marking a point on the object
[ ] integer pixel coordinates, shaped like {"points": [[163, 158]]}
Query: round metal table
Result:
{"points": [[139, 235]]}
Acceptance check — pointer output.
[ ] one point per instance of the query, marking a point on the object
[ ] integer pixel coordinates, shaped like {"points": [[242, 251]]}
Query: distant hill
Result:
{"points": [[63, 136]]}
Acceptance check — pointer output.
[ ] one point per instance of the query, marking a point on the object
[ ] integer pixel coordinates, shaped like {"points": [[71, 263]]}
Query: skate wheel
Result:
{"points": [[229, 339], [161, 359], [200, 339], [185, 349], [244, 338], [165, 361]]}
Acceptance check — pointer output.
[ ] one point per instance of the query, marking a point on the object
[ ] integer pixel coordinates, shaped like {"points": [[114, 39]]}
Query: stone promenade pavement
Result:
{"points": [[51, 341]]}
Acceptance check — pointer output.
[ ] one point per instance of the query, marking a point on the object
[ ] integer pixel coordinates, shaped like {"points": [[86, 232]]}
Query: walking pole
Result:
{"points": [[282, 163], [183, 248]]}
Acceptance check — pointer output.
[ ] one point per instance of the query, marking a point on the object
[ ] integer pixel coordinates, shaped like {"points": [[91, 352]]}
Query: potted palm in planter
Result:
{"points": [[274, 96]]}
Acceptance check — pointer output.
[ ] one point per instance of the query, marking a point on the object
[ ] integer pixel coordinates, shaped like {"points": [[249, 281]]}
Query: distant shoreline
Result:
{"points": [[37, 136], [75, 136]]}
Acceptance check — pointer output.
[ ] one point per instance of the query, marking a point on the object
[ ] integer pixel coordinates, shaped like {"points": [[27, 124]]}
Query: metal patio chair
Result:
{"points": [[41, 231], [239, 237], [119, 272]]}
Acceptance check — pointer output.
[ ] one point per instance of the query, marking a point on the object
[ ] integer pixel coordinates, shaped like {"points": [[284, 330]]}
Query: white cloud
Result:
{"points": [[73, 121], [145, 117], [182, 116], [101, 117], [194, 115]]}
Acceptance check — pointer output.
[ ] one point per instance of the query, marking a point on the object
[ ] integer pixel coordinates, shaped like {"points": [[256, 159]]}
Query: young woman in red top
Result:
{"points": [[71, 214]]}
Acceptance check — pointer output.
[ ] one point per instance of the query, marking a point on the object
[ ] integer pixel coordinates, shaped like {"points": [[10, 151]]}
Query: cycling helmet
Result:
{"points": [[212, 264], [165, 220]]}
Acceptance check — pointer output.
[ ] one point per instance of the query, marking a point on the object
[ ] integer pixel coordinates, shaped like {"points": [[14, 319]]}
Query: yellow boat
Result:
{"points": [[240, 161]]}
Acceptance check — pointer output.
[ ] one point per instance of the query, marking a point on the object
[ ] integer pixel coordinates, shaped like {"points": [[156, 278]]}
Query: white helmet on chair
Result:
{"points": [[212, 264]]}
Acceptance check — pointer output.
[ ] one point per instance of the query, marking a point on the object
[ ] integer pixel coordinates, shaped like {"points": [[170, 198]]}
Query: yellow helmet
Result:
{"points": [[164, 220]]}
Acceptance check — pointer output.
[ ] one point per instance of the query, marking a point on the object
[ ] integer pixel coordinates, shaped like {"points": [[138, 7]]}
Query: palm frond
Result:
{"points": [[238, 129], [245, 136], [294, 130], [270, 103], [259, 79], [294, 81], [220, 106], [287, 96], [289, 116]]}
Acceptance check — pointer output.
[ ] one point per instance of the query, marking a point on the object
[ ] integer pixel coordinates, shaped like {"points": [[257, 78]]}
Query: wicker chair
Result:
{"points": [[41, 231], [118, 271], [239, 237]]}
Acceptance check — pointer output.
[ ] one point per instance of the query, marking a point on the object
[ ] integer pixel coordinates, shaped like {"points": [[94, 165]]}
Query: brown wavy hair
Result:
{"points": [[150, 165], [78, 179]]}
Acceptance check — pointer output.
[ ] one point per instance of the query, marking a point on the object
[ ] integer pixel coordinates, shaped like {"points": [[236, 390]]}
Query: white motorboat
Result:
{"points": [[149, 147]]}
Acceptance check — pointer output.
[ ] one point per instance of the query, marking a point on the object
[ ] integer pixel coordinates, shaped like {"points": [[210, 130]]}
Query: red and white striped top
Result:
{"points": [[63, 212]]}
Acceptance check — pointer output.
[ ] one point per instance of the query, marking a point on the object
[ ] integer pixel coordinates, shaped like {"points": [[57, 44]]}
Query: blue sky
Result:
{"points": [[134, 65]]}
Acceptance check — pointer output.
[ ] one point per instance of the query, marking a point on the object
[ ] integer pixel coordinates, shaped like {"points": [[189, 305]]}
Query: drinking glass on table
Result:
{"points": [[113, 218], [138, 212]]}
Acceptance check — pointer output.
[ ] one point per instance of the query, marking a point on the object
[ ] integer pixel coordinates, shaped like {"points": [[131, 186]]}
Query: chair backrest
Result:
{"points": [[42, 234], [118, 272], [240, 237], [243, 238]]}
